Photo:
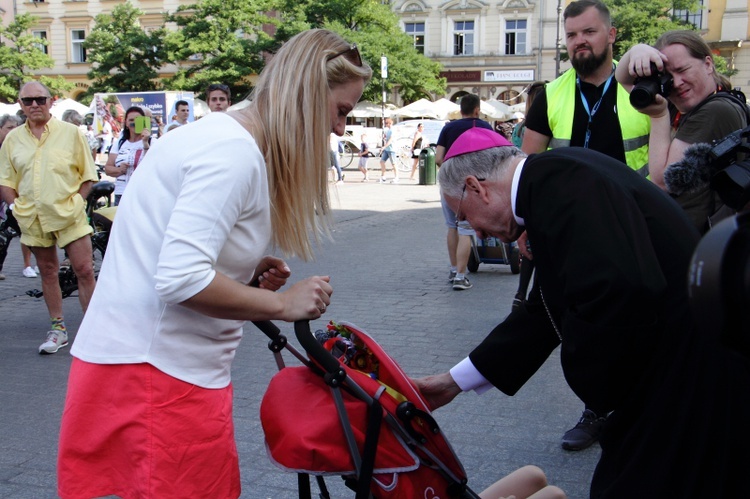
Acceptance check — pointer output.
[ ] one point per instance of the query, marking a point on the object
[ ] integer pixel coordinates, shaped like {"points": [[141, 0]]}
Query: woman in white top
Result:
{"points": [[128, 152], [149, 405]]}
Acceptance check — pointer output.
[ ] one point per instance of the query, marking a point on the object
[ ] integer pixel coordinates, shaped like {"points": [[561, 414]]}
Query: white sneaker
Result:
{"points": [[29, 272], [55, 341], [383, 180], [394, 181]]}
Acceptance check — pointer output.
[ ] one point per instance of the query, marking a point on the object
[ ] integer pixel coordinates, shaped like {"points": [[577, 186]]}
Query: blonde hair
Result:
{"points": [[291, 100]]}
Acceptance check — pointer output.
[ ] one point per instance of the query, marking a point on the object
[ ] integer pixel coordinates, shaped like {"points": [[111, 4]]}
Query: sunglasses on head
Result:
{"points": [[27, 101], [351, 54]]}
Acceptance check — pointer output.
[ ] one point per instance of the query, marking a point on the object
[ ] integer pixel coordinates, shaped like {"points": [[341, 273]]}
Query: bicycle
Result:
{"points": [[101, 222]]}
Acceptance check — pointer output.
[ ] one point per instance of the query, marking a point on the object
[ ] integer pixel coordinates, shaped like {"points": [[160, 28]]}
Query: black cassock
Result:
{"points": [[611, 254]]}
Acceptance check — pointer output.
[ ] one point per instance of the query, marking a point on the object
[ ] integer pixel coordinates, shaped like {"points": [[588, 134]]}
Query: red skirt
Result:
{"points": [[132, 431]]}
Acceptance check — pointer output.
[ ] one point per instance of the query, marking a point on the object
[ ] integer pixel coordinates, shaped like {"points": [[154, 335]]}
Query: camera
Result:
{"points": [[732, 178], [719, 283], [646, 88]]}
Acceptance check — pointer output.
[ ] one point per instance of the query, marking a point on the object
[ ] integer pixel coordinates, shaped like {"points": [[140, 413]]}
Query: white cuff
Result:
{"points": [[468, 378]]}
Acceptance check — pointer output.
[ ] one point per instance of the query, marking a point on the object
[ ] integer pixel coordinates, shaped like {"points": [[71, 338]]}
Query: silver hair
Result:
{"points": [[9, 117], [485, 164], [72, 116]]}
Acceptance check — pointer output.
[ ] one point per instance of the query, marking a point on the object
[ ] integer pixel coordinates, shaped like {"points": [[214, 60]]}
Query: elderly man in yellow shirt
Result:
{"points": [[46, 171]]}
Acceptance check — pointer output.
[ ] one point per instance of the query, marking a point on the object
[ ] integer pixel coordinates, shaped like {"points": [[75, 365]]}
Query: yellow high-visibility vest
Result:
{"points": [[635, 126]]}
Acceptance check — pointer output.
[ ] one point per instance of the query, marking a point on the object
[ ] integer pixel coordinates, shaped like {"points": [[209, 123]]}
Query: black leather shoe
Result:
{"points": [[585, 433], [518, 301]]}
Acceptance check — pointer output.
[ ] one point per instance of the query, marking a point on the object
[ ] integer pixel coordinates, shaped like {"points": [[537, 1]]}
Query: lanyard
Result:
{"points": [[594, 109]]}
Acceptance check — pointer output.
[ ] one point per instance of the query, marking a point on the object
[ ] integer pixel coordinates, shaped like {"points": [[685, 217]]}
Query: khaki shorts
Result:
{"points": [[34, 236]]}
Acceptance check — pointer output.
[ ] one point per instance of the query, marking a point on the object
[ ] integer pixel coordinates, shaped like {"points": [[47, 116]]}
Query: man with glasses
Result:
{"points": [[612, 257], [586, 107], [218, 97], [46, 172]]}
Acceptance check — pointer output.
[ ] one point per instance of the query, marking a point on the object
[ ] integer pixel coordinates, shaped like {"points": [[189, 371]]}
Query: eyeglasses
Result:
{"points": [[460, 200], [351, 54], [27, 101]]}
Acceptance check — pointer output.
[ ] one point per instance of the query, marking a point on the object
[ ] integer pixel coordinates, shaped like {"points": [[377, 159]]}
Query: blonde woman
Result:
{"points": [[149, 405]]}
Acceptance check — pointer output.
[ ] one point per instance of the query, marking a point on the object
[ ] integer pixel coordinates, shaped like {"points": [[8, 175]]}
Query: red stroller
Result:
{"points": [[384, 443]]}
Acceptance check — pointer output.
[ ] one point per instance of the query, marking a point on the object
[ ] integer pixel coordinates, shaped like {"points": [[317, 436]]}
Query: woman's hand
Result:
{"points": [[307, 299], [271, 273], [658, 109], [145, 137], [641, 57], [636, 63]]}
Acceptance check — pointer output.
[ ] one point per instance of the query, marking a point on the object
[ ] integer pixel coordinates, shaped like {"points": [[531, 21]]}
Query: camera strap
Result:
{"points": [[735, 96]]}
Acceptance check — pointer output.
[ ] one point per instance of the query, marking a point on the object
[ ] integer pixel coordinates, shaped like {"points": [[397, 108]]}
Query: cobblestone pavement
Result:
{"points": [[388, 267]]}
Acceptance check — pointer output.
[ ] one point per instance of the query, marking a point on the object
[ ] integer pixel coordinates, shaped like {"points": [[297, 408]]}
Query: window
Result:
{"points": [[515, 37], [42, 36], [463, 38], [694, 18], [416, 31], [77, 51]]}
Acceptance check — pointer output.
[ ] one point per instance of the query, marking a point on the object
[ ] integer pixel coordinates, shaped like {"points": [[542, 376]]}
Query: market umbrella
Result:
{"points": [[368, 109], [422, 108], [488, 110], [502, 110], [444, 107], [60, 106], [9, 108], [240, 105]]}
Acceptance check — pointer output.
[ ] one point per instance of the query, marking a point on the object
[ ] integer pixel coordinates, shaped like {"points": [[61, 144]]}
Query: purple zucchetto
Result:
{"points": [[476, 139]]}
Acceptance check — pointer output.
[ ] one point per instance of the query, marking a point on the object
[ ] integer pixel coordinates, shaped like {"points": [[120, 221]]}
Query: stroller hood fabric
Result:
{"points": [[304, 434]]}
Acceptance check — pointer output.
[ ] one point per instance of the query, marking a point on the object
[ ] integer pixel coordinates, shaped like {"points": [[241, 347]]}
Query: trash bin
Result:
{"points": [[427, 166]]}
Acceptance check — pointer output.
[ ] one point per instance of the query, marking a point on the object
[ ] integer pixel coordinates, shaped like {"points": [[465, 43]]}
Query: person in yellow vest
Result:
{"points": [[585, 107]]}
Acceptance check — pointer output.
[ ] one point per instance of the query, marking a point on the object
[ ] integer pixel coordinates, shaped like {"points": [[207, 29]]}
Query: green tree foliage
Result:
{"points": [[219, 41], [375, 29], [642, 21], [124, 57], [20, 55]]}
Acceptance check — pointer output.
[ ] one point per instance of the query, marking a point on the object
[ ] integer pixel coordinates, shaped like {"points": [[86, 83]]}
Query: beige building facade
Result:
{"points": [[494, 48], [65, 24]]}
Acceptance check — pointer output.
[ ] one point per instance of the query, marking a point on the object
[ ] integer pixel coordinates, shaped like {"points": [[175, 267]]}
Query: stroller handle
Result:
{"points": [[315, 349]]}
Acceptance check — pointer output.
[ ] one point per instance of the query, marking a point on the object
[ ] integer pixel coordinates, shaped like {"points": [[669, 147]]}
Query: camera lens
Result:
{"points": [[643, 93]]}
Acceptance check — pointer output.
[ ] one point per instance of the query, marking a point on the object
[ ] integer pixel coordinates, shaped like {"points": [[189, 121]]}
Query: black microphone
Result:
{"points": [[693, 172]]}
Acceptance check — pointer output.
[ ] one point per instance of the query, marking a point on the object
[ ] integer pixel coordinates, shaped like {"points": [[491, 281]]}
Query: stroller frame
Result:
{"points": [[327, 366]]}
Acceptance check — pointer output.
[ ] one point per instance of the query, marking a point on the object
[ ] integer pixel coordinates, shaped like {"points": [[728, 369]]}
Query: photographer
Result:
{"points": [[705, 110]]}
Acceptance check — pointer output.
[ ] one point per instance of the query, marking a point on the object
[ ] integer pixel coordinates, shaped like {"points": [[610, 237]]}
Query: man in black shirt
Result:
{"points": [[586, 107]]}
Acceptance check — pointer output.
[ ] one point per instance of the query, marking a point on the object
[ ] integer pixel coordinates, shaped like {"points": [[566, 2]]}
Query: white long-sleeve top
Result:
{"points": [[197, 204]]}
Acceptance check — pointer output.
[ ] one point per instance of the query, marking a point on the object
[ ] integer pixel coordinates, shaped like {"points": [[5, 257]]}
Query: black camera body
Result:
{"points": [[646, 88], [732, 178]]}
